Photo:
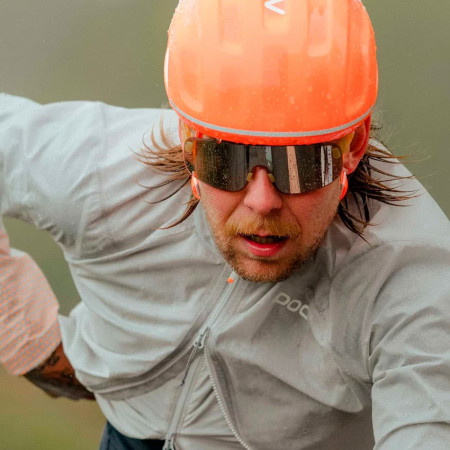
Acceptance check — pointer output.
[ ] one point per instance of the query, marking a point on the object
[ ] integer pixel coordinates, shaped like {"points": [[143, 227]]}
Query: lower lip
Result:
{"points": [[263, 250]]}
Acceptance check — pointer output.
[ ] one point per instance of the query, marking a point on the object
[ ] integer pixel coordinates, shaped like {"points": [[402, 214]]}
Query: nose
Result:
{"points": [[260, 194]]}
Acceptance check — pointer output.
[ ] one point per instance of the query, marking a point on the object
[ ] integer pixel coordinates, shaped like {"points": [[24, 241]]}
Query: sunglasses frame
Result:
{"points": [[334, 151]]}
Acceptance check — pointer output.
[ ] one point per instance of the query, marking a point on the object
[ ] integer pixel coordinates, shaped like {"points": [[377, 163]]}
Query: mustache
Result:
{"points": [[273, 226]]}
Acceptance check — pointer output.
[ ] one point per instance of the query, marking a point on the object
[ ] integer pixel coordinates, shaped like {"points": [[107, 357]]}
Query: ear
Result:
{"points": [[358, 146]]}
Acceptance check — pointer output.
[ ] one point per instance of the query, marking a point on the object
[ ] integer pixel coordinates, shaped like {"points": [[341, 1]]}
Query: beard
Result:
{"points": [[265, 269]]}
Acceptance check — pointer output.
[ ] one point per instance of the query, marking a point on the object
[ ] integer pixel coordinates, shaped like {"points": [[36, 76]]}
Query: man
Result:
{"points": [[279, 311]]}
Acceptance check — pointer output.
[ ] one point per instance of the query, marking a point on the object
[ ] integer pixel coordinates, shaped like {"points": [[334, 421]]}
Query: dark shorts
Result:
{"points": [[114, 440]]}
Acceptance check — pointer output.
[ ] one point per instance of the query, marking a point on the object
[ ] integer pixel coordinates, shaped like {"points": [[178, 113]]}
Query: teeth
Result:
{"points": [[265, 239]]}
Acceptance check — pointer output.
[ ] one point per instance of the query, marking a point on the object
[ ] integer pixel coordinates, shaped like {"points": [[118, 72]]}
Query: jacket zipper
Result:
{"points": [[168, 445], [182, 397], [189, 375], [220, 401]]}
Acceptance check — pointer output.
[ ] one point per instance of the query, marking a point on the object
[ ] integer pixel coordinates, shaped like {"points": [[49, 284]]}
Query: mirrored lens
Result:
{"points": [[296, 169], [305, 168], [221, 165]]}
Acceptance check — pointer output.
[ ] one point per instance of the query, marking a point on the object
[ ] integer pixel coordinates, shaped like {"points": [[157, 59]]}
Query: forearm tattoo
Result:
{"points": [[56, 377]]}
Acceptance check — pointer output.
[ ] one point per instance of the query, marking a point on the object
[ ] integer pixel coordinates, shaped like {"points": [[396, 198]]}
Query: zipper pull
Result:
{"points": [[200, 341], [169, 445], [198, 345]]}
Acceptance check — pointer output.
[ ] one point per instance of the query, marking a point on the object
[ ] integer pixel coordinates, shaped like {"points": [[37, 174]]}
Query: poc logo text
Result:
{"points": [[295, 306]]}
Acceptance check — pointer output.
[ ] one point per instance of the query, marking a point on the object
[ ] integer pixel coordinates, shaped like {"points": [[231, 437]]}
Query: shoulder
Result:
{"points": [[73, 165], [406, 253], [417, 220], [390, 286]]}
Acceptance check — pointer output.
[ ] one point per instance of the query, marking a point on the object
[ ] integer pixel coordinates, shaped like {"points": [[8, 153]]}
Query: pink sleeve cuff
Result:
{"points": [[29, 330]]}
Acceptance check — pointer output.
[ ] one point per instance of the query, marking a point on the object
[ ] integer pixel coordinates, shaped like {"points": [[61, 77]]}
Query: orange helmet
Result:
{"points": [[276, 72]]}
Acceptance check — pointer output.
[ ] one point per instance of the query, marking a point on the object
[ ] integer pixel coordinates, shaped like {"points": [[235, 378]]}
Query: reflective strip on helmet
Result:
{"points": [[275, 134]]}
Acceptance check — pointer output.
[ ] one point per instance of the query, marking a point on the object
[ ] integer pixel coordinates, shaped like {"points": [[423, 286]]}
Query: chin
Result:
{"points": [[258, 271]]}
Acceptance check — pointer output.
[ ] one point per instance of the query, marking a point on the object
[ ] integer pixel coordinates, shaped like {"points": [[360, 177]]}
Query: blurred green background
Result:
{"points": [[112, 51]]}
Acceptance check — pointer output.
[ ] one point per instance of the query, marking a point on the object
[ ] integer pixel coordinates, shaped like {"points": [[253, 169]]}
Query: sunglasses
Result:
{"points": [[293, 169]]}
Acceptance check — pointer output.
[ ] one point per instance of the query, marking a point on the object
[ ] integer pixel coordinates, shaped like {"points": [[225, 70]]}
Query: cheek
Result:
{"points": [[217, 203], [316, 206], [328, 195], [311, 208]]}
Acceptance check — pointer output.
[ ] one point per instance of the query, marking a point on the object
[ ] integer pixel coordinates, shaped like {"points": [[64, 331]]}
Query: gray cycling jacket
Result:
{"points": [[349, 352]]}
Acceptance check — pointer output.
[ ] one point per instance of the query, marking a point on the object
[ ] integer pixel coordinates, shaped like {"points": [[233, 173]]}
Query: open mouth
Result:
{"points": [[264, 239]]}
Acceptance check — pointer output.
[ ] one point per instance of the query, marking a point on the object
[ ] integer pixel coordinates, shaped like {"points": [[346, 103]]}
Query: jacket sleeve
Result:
{"points": [[47, 158], [29, 329], [70, 169], [33, 153]]}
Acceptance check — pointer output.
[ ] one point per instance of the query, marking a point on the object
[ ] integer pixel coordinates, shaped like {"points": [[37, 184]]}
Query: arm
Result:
{"points": [[56, 377], [29, 330], [68, 169], [30, 338]]}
